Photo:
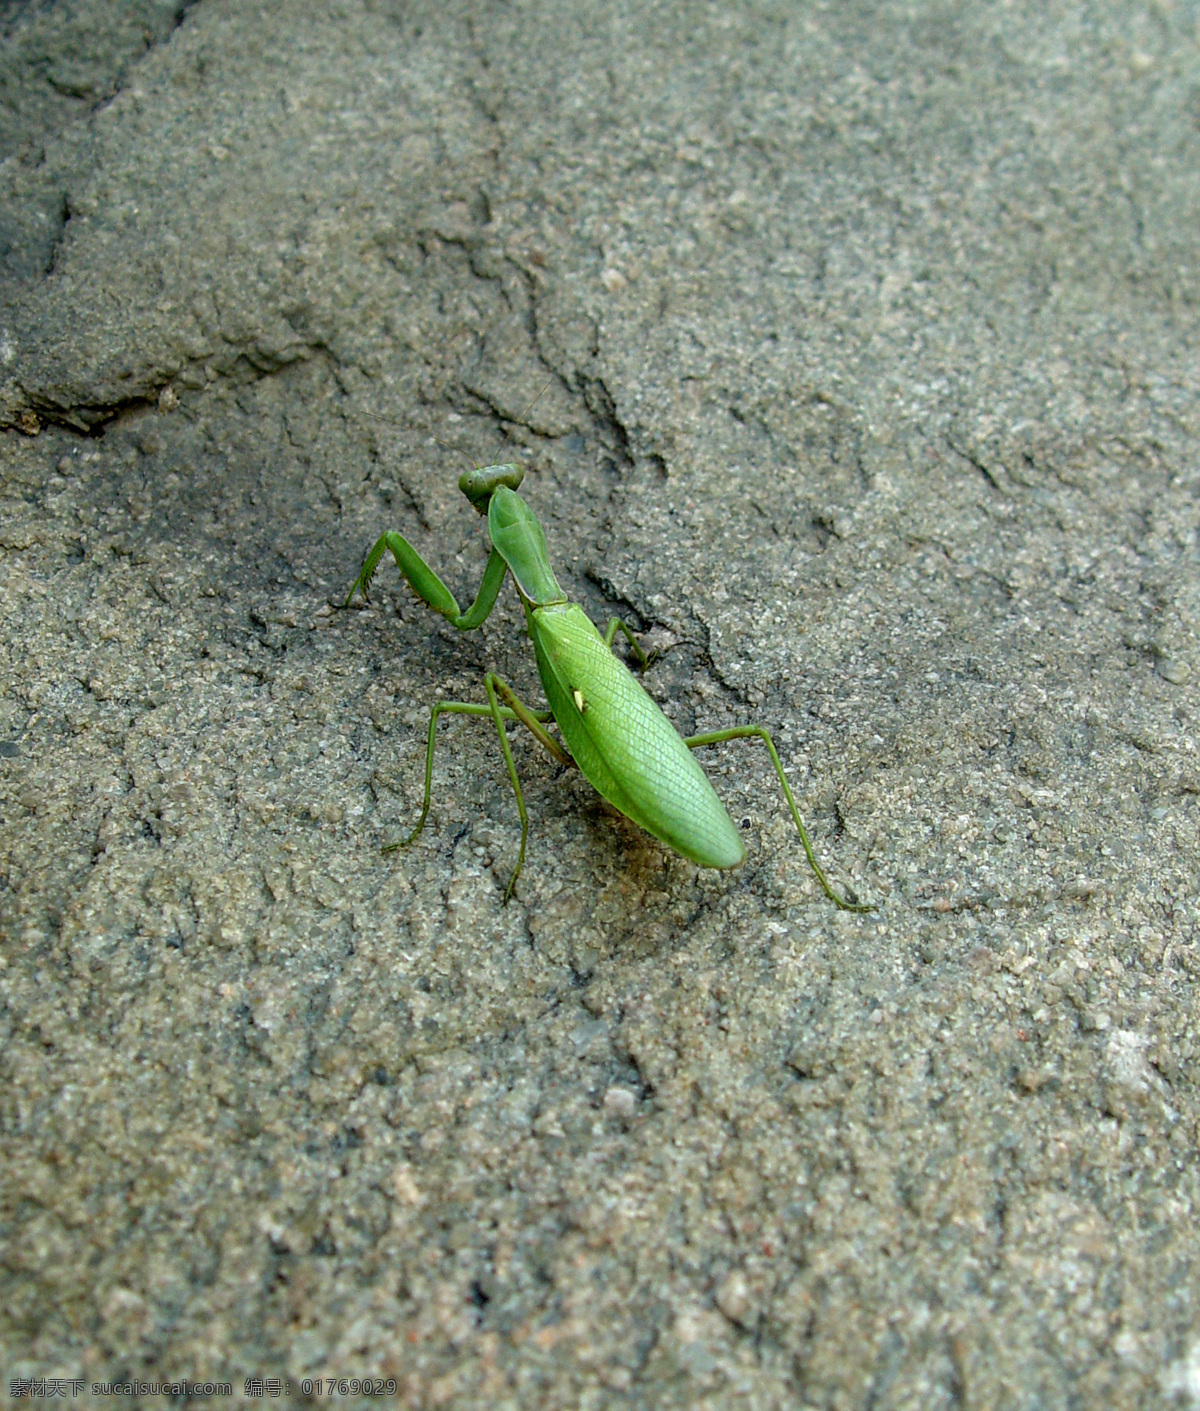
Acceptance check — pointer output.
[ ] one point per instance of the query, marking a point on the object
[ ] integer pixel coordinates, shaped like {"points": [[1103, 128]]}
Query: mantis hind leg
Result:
{"points": [[533, 720], [759, 732]]}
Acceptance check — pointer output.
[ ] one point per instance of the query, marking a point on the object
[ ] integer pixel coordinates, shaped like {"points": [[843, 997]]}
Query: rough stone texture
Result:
{"points": [[866, 338]]}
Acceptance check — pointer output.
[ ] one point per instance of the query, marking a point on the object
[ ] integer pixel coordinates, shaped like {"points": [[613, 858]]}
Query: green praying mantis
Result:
{"points": [[611, 729]]}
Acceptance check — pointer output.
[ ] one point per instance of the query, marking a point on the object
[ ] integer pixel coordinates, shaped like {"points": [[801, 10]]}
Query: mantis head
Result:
{"points": [[479, 484]]}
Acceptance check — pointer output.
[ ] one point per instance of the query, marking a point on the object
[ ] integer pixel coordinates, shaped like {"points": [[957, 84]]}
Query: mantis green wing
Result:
{"points": [[625, 746]]}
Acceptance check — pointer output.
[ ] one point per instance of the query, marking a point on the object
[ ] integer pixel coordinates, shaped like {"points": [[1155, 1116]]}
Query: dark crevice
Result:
{"points": [[93, 418], [58, 235], [44, 44], [603, 408], [973, 460]]}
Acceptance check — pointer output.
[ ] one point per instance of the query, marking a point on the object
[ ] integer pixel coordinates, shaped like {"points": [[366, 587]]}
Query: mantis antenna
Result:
{"points": [[458, 450], [505, 439]]}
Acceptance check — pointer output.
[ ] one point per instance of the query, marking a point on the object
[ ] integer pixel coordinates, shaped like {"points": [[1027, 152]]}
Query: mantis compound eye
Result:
{"points": [[479, 484]]}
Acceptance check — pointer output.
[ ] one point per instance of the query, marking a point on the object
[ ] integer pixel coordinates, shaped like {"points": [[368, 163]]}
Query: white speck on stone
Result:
{"points": [[1181, 1379], [1126, 1345], [734, 1299], [405, 1187], [620, 1101], [1126, 1054]]}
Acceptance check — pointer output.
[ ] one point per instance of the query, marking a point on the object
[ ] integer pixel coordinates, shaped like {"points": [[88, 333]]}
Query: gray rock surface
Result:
{"points": [[866, 337]]}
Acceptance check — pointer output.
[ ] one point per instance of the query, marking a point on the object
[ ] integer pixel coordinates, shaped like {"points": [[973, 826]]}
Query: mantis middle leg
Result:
{"points": [[611, 631], [533, 720]]}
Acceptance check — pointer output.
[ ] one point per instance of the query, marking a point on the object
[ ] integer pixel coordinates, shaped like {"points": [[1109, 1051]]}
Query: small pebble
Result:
{"points": [[620, 1102], [734, 1299]]}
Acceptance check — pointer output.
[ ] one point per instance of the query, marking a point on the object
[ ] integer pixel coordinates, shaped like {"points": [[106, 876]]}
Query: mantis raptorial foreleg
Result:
{"points": [[428, 586], [533, 720], [760, 732]]}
